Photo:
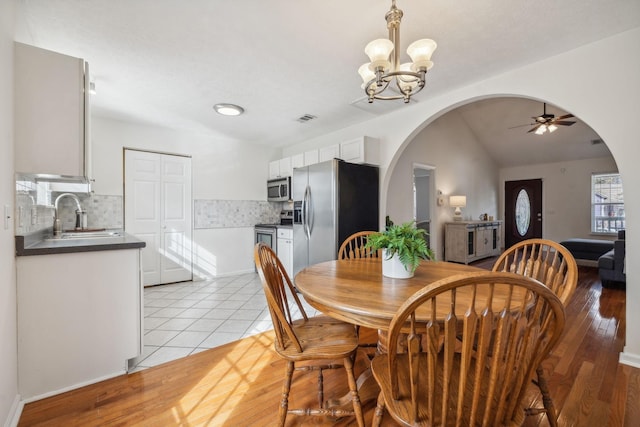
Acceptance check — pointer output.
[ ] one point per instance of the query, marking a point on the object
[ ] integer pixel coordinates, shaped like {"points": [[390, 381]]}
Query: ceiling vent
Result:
{"points": [[306, 118]]}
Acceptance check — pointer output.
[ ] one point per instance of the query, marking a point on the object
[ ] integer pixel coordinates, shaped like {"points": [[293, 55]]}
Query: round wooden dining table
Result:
{"points": [[355, 291]]}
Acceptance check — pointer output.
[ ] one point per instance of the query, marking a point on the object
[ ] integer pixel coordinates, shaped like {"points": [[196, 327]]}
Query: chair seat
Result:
{"points": [[401, 407], [321, 337]]}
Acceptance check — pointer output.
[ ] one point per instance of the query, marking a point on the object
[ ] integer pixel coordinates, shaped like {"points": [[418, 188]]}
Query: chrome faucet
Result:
{"points": [[57, 224]]}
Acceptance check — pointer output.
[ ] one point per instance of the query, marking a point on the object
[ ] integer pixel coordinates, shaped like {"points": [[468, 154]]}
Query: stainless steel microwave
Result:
{"points": [[279, 190]]}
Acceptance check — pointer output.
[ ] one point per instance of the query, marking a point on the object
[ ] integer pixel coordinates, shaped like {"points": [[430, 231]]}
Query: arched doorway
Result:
{"points": [[478, 146]]}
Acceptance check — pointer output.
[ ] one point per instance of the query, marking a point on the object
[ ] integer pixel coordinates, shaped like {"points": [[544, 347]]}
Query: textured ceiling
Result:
{"points": [[167, 62]]}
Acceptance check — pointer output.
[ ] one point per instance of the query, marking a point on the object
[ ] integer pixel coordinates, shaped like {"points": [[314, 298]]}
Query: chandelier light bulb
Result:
{"points": [[378, 52], [407, 81], [420, 52], [366, 74]]}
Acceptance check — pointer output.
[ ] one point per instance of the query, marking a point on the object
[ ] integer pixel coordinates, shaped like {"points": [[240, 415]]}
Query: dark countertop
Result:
{"points": [[41, 243], [275, 225]]}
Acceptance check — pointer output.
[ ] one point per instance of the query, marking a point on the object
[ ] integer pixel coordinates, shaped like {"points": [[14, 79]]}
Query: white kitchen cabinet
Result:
{"points": [[79, 319], [274, 169], [467, 241], [280, 168], [297, 161], [310, 157], [328, 153], [51, 112], [285, 167], [361, 150], [285, 249]]}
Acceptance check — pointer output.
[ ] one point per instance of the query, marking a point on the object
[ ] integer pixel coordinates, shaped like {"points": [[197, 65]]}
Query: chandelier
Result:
{"points": [[385, 71]]}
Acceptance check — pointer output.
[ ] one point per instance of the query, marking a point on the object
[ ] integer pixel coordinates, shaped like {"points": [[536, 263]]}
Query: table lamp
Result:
{"points": [[457, 202]]}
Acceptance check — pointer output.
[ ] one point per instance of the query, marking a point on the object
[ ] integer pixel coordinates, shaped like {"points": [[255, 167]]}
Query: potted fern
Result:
{"points": [[403, 247]]}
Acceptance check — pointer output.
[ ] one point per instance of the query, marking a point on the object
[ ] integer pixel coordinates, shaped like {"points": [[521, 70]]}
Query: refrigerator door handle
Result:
{"points": [[309, 212], [305, 213]]}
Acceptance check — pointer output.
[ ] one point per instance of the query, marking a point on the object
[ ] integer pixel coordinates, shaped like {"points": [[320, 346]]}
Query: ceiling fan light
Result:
{"points": [[542, 129], [420, 52], [378, 52], [552, 128]]}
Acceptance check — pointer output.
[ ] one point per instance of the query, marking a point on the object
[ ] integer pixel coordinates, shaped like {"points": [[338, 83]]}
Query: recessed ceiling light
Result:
{"points": [[228, 109]]}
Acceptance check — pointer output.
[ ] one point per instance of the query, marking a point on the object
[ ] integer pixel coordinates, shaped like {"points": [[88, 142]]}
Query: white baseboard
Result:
{"points": [[74, 386], [630, 359], [15, 412]]}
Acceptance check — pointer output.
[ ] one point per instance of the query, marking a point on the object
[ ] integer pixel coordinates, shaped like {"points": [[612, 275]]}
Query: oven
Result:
{"points": [[267, 233]]}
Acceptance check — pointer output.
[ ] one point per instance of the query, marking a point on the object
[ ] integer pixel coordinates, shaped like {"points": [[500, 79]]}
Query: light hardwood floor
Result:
{"points": [[239, 384]]}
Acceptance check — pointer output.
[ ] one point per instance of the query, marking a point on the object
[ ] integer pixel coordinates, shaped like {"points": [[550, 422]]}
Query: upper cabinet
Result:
{"points": [[361, 150], [328, 153], [51, 112], [310, 157], [297, 161], [364, 149], [280, 168]]}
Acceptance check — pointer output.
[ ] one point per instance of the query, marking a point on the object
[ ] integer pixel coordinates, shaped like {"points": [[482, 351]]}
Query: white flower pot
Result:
{"points": [[394, 268]]}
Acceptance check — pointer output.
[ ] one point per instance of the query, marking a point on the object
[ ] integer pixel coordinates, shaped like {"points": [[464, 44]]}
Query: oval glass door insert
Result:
{"points": [[523, 212]]}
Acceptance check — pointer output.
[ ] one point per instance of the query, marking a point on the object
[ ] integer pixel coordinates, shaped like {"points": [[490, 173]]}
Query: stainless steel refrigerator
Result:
{"points": [[331, 201]]}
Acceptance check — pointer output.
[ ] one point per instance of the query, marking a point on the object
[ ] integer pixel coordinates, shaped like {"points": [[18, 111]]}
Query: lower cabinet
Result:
{"points": [[285, 249], [467, 241], [79, 319]]}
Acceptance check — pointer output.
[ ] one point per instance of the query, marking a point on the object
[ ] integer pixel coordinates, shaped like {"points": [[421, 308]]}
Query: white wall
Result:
{"points": [[566, 194], [8, 341], [461, 165], [221, 171], [603, 91]]}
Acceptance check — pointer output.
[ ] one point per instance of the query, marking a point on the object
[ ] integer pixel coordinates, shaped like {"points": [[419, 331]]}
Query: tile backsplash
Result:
{"points": [[35, 211], [234, 213]]}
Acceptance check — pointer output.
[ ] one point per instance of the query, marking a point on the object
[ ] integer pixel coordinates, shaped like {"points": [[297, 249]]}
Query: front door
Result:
{"points": [[522, 210]]}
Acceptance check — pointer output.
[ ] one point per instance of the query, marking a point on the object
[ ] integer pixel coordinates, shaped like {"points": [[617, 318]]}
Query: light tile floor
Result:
{"points": [[189, 317]]}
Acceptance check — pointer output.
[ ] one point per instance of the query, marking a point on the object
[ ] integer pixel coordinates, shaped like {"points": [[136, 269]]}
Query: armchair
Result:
{"points": [[611, 265]]}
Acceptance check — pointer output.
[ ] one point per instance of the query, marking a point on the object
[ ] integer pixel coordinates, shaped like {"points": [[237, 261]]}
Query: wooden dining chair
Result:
{"points": [[353, 247], [316, 339], [469, 359], [553, 265]]}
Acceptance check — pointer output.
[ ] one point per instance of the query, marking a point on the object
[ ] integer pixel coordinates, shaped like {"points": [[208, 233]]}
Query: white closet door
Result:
{"points": [[158, 211], [175, 263]]}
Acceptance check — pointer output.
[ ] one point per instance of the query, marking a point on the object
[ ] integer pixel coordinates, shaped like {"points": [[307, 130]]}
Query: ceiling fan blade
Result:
{"points": [[533, 129], [566, 116], [563, 123], [520, 126]]}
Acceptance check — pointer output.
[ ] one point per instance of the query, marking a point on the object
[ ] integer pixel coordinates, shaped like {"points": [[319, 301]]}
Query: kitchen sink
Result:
{"points": [[89, 234], [73, 235]]}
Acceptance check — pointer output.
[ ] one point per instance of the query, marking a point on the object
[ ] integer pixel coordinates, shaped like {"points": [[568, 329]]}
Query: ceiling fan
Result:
{"points": [[548, 122]]}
